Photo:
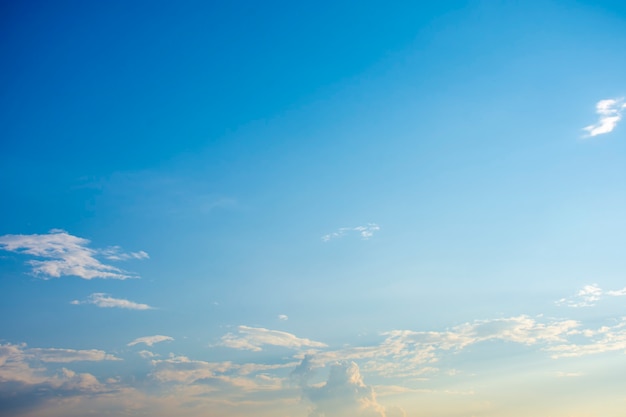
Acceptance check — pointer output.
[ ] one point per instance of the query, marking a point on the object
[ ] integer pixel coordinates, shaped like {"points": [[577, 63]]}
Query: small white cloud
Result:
{"points": [[146, 354], [105, 301], [150, 340], [365, 232], [589, 295], [610, 112], [62, 254], [252, 338], [283, 317]]}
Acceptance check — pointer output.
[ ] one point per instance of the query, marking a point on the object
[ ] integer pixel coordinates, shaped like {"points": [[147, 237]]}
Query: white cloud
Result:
{"points": [[610, 112], [105, 301], [411, 354], [365, 232], [344, 394], [605, 339], [252, 338], [63, 254], [150, 340], [283, 317], [589, 295]]}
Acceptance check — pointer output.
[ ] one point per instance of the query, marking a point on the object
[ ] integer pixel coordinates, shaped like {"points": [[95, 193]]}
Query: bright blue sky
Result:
{"points": [[404, 192]]}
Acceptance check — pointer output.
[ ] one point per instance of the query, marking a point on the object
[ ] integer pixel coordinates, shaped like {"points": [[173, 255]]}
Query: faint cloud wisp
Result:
{"points": [[105, 301], [365, 232]]}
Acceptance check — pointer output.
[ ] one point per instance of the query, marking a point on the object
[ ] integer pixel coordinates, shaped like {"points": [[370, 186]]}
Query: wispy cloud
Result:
{"points": [[150, 340], [63, 254], [589, 295], [69, 355], [610, 112], [105, 301], [252, 338], [604, 339], [283, 317], [365, 232]]}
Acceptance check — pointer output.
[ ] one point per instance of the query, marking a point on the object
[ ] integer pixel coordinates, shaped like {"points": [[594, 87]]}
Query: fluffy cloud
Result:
{"points": [[150, 340], [105, 301], [344, 394], [252, 338], [610, 112], [63, 254], [365, 232], [589, 295], [18, 364], [25, 383]]}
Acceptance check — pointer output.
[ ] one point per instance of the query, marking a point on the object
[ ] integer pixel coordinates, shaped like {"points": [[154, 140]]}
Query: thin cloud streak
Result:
{"points": [[67, 255], [365, 232], [150, 340], [252, 338], [105, 301], [610, 112]]}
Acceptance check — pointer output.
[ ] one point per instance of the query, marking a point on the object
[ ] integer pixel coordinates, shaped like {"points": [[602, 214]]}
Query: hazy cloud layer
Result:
{"points": [[610, 113], [62, 254], [106, 301], [150, 340], [252, 338], [365, 232]]}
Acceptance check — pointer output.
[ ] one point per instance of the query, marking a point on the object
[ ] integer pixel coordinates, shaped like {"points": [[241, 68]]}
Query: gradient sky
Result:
{"points": [[313, 209]]}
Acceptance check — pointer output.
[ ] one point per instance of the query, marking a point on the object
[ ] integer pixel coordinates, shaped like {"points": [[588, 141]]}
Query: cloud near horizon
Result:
{"points": [[63, 254], [344, 394], [610, 112], [105, 301]]}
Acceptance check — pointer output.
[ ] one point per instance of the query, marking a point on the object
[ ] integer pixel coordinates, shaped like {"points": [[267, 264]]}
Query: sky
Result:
{"points": [[313, 209]]}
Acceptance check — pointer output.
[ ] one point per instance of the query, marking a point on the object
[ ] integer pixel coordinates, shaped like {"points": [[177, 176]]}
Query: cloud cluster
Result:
{"points": [[106, 301], [365, 232], [253, 338], [63, 254], [610, 112], [344, 394], [150, 340], [589, 295]]}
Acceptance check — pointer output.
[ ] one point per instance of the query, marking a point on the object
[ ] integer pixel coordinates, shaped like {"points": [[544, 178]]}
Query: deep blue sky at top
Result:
{"points": [[140, 81]]}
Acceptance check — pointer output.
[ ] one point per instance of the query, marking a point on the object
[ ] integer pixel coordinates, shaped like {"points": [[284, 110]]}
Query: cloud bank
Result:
{"points": [[63, 254], [610, 112], [105, 301]]}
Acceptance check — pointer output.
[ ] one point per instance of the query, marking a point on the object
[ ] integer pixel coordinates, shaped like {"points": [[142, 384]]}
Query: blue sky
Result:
{"points": [[313, 209]]}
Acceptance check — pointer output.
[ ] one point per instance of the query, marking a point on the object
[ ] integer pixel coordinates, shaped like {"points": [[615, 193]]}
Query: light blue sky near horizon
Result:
{"points": [[227, 140]]}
